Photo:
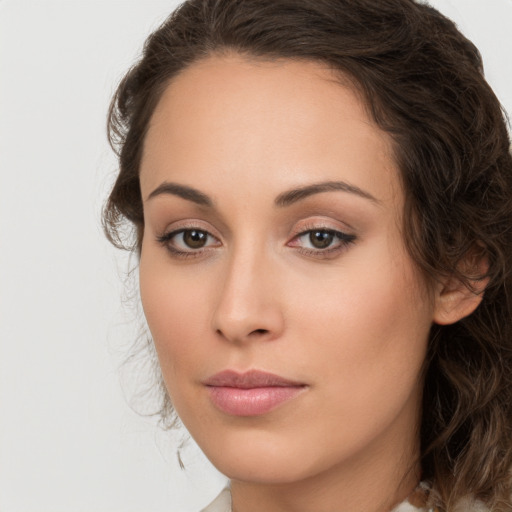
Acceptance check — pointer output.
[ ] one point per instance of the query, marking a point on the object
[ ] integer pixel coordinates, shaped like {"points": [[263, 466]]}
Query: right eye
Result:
{"points": [[188, 241]]}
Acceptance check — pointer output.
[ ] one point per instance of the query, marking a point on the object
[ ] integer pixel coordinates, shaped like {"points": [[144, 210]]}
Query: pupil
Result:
{"points": [[321, 239], [194, 239]]}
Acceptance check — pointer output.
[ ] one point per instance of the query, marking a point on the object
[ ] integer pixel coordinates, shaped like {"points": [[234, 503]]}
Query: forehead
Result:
{"points": [[286, 122]]}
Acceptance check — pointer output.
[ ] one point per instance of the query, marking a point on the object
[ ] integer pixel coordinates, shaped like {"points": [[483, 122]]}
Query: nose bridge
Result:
{"points": [[247, 306]]}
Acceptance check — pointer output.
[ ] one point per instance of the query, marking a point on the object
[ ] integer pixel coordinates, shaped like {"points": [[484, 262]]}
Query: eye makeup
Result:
{"points": [[314, 240]]}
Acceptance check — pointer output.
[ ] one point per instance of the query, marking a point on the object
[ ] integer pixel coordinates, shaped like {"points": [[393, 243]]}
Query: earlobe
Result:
{"points": [[456, 300]]}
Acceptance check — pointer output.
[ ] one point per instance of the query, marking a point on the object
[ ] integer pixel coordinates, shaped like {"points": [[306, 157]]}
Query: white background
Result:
{"points": [[68, 440]]}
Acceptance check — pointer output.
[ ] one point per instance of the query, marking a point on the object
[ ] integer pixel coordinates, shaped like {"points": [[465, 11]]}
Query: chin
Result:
{"points": [[265, 458], [264, 470]]}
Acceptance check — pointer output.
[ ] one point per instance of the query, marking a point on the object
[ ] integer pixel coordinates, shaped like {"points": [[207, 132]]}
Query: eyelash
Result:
{"points": [[344, 240]]}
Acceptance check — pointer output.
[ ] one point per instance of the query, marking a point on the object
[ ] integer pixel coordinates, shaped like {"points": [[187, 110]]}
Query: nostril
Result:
{"points": [[256, 332]]}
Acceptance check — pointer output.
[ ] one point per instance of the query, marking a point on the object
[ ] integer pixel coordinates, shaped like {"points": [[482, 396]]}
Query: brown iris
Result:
{"points": [[194, 238], [321, 239]]}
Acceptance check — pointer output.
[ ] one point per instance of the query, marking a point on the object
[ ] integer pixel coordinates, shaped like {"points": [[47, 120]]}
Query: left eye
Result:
{"points": [[321, 239]]}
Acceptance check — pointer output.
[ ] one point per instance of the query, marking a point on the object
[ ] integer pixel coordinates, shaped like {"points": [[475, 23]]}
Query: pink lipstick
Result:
{"points": [[251, 393]]}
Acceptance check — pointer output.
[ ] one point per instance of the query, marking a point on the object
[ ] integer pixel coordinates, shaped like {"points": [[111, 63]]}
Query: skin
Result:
{"points": [[350, 322]]}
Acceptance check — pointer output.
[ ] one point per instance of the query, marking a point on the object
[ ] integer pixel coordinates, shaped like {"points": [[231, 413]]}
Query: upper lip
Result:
{"points": [[249, 379]]}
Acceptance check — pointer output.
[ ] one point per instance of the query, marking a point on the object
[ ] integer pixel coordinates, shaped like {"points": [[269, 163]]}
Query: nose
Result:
{"points": [[248, 306]]}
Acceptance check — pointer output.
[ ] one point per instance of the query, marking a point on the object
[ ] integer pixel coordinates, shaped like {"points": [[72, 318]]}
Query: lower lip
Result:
{"points": [[253, 401]]}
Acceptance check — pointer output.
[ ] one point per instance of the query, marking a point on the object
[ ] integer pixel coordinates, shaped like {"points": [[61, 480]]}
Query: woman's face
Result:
{"points": [[272, 245]]}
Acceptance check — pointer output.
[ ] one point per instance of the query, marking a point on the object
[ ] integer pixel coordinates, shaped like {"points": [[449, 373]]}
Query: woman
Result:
{"points": [[321, 198]]}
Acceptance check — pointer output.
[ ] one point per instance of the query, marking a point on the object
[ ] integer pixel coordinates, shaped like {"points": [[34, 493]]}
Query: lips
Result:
{"points": [[252, 393]]}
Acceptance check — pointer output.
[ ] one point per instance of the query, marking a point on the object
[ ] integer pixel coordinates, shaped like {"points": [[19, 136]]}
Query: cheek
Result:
{"points": [[175, 309]]}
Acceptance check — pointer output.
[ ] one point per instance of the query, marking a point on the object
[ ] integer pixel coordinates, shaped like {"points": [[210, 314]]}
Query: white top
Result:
{"points": [[222, 503]]}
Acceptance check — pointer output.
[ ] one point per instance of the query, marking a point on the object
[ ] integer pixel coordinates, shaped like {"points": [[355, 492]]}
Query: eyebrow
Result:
{"points": [[183, 191], [297, 194], [282, 200]]}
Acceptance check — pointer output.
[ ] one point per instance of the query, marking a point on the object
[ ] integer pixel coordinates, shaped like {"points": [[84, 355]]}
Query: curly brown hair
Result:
{"points": [[423, 84]]}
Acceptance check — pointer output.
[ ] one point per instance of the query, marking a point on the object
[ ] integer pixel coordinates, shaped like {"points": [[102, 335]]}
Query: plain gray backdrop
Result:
{"points": [[68, 440]]}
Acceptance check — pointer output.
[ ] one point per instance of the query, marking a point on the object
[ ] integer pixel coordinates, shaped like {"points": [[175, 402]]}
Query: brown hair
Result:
{"points": [[423, 83]]}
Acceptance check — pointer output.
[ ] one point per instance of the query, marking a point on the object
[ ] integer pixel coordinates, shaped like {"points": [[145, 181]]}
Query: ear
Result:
{"points": [[456, 300]]}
